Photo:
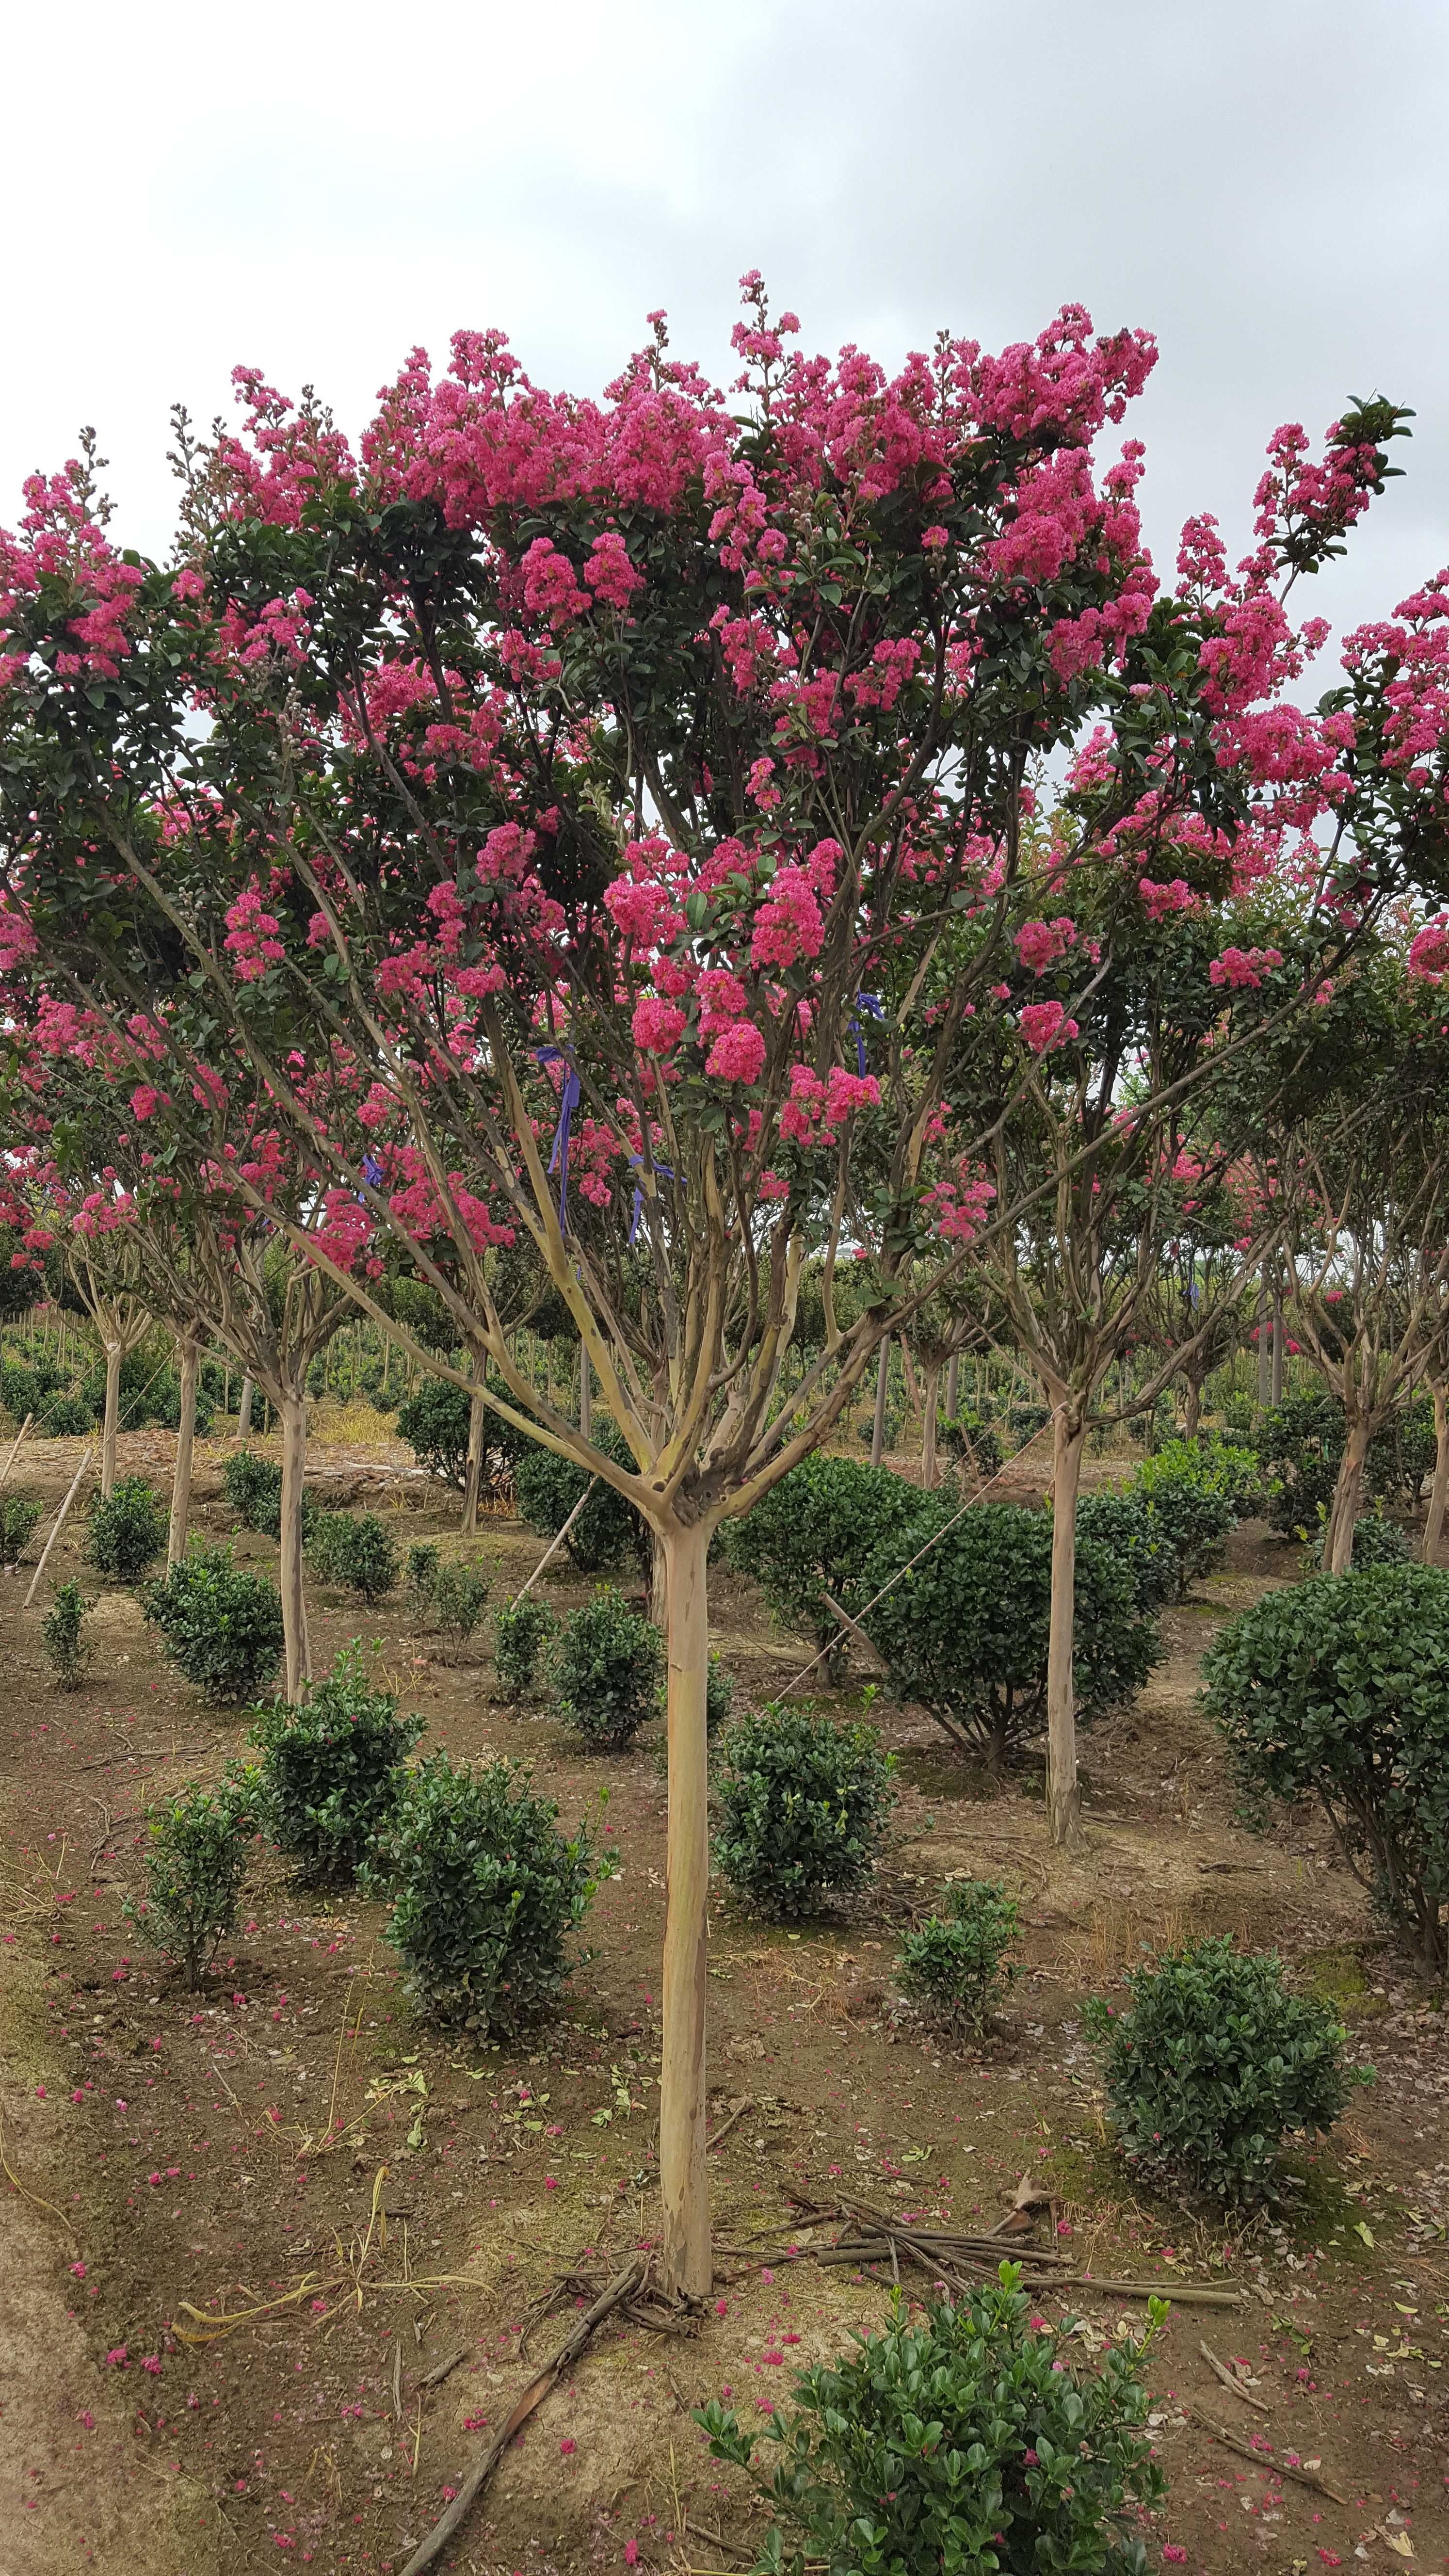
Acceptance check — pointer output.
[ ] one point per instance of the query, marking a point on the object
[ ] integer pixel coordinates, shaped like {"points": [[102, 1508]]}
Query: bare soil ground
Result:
{"points": [[169, 2154]]}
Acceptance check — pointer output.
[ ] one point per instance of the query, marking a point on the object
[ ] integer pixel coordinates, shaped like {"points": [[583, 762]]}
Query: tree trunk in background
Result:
{"points": [[1439, 1490], [112, 1421], [289, 1571], [244, 1409], [1191, 1408], [473, 1480], [930, 1403], [683, 2178], [1277, 1346], [1338, 1539], [586, 1395], [189, 1355], [953, 1383], [1264, 1355], [882, 1374], [1064, 1797]]}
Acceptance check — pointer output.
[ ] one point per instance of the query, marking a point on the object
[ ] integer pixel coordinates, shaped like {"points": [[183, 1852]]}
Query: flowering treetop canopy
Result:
{"points": [[644, 786]]}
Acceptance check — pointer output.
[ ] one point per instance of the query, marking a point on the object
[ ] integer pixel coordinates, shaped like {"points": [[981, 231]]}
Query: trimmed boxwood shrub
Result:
{"points": [[974, 1443], [127, 1530], [1196, 1492], [521, 1631], [813, 1533], [606, 1670], [1338, 1690], [222, 1627], [1211, 2064], [608, 1530], [955, 1964], [965, 1632], [486, 1893], [803, 1807], [968, 2439], [198, 1852], [1376, 1541], [422, 1572], [333, 1768]]}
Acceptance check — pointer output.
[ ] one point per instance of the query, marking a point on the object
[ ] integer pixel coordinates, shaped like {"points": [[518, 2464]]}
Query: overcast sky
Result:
{"points": [[313, 189]]}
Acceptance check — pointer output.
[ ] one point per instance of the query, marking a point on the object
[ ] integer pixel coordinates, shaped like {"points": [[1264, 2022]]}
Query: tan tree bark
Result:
{"points": [[1439, 1490], [930, 1470], [1064, 1796], [683, 2180], [188, 1353], [244, 1410], [882, 1380], [473, 1482], [293, 1409], [1347, 1495], [111, 1422]]}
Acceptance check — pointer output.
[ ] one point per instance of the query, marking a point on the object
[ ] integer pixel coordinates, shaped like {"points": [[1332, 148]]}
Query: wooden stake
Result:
{"points": [[14, 1445], [59, 1526], [549, 1553]]}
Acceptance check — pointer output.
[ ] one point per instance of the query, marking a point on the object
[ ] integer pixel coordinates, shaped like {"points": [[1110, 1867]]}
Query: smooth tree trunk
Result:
{"points": [[1278, 1340], [1439, 1490], [586, 1395], [882, 1378], [683, 2180], [473, 1481], [188, 1354], [930, 1404], [112, 1422], [1064, 1797], [1265, 1357], [244, 1409], [1343, 1512], [953, 1385], [1191, 1408], [289, 1571]]}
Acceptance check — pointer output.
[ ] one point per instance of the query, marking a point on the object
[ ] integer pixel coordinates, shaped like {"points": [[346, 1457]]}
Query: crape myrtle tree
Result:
{"points": [[205, 1214], [1362, 1189], [1198, 1302], [558, 802]]}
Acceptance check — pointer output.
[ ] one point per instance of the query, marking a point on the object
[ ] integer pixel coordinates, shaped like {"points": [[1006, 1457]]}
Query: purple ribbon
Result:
{"points": [[870, 1002], [373, 1174], [558, 1160], [662, 1172]]}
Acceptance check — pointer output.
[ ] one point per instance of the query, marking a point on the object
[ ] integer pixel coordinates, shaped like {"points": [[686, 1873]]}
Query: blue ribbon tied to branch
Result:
{"points": [[871, 1003], [373, 1174]]}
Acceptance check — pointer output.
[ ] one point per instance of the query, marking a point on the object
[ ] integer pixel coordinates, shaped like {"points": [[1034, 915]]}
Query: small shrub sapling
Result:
{"points": [[332, 1769], [197, 1856], [803, 1808], [956, 1964]]}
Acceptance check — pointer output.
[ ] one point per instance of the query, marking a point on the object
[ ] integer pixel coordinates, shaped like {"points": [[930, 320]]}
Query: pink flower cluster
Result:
{"points": [[1239, 967], [251, 939], [1044, 1025]]}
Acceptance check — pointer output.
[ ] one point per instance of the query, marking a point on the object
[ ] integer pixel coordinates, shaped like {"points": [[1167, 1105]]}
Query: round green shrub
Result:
{"points": [[127, 1530], [1211, 2064], [967, 2439], [1196, 1491], [1338, 1690], [803, 1808], [965, 1632], [358, 1549], [422, 1572], [522, 1630], [222, 1628], [253, 1487], [460, 1596], [333, 1769], [434, 1423], [813, 1533], [975, 1444], [199, 1847], [486, 1893], [608, 1530], [956, 1963], [606, 1671], [1122, 1526], [62, 1636], [20, 1517]]}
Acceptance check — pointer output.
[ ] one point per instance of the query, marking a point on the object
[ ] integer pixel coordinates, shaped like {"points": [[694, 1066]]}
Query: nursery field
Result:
{"points": [[277, 2252]]}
